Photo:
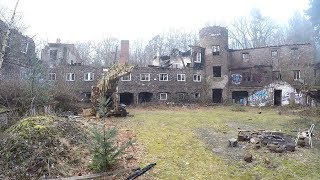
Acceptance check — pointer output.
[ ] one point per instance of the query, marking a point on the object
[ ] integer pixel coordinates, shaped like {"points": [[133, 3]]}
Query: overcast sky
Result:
{"points": [[81, 20]]}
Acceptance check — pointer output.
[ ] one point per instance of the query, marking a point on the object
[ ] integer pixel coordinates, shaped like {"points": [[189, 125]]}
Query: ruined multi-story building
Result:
{"points": [[66, 71], [212, 73], [209, 72], [19, 55]]}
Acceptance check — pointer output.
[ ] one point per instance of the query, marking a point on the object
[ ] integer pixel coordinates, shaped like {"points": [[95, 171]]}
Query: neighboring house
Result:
{"points": [[213, 73], [66, 72], [19, 55]]}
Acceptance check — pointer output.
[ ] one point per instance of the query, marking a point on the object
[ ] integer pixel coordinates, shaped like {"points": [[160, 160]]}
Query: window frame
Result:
{"points": [[72, 79], [122, 78], [167, 75], [215, 50], [50, 75], [196, 79], [182, 79], [89, 75], [147, 79], [160, 96], [274, 51], [296, 73], [198, 57], [247, 57]]}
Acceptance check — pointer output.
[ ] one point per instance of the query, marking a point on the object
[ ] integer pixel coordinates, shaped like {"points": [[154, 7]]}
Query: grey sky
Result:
{"points": [[81, 20]]}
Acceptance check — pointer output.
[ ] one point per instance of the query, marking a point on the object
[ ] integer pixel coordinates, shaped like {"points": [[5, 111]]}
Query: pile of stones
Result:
{"points": [[276, 142]]}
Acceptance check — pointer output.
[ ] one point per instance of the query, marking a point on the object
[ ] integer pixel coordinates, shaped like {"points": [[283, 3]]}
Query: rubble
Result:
{"points": [[248, 157], [233, 142], [276, 142]]}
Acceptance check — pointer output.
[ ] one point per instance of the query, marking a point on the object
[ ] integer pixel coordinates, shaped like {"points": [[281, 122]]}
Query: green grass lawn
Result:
{"points": [[170, 139]]}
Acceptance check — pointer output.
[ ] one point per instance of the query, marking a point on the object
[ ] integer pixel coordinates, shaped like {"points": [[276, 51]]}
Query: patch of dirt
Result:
{"points": [[217, 142]]}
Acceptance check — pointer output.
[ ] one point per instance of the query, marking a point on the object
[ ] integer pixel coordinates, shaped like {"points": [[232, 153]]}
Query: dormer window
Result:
{"points": [[215, 50], [198, 58]]}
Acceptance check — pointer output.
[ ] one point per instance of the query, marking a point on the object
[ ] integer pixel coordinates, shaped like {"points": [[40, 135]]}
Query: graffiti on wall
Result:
{"points": [[285, 97], [236, 79], [259, 98]]}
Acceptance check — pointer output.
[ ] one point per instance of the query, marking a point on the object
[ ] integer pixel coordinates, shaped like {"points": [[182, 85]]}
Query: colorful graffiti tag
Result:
{"points": [[236, 79], [259, 98]]}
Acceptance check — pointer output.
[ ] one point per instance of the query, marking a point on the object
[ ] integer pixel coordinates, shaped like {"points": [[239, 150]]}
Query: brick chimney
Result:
{"points": [[124, 52]]}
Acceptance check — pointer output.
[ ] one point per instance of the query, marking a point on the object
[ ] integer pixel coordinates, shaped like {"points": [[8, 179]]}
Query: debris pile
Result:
{"points": [[275, 141], [41, 146]]}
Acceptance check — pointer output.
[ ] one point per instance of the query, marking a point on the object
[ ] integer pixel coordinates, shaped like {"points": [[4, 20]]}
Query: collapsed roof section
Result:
{"points": [[177, 59]]}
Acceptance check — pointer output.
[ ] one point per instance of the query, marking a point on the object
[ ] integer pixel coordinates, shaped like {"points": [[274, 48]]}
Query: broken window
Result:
{"points": [[294, 52], [88, 76], [70, 77], [197, 78], [181, 77], [163, 77], [54, 54], [145, 77], [215, 50], [24, 47], [274, 53], [87, 95], [198, 57], [245, 56], [216, 71], [181, 96], [126, 78], [296, 74], [246, 76], [196, 95], [52, 76], [163, 96], [276, 75]]}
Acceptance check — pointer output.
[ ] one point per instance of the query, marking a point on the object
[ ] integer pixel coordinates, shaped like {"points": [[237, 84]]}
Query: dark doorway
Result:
{"points": [[216, 71], [145, 97], [126, 98], [277, 97], [217, 95], [239, 96]]}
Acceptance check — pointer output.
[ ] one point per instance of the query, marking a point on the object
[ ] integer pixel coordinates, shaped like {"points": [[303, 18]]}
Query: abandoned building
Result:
{"points": [[209, 72], [66, 72], [212, 73], [19, 55]]}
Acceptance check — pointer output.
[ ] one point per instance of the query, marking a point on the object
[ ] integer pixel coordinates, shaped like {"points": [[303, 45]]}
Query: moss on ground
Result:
{"points": [[41, 146], [170, 140]]}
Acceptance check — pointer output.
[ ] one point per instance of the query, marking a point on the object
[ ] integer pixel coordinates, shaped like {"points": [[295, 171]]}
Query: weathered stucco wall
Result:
{"points": [[265, 96]]}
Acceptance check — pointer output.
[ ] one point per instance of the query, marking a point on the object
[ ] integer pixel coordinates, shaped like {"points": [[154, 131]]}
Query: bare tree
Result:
{"points": [[300, 29], [86, 51], [255, 31], [5, 38], [105, 52]]}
